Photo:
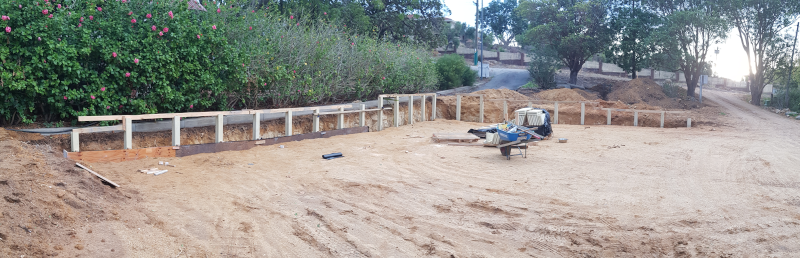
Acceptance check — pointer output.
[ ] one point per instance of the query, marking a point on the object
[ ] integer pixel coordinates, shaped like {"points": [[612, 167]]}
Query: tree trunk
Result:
{"points": [[755, 96], [573, 75], [633, 74], [691, 84]]}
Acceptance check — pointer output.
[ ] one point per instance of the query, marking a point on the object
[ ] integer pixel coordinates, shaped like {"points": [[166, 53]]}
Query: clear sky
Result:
{"points": [[731, 61]]}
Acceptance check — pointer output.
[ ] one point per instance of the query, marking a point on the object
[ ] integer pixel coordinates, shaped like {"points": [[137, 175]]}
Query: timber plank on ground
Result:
{"points": [[455, 137]]}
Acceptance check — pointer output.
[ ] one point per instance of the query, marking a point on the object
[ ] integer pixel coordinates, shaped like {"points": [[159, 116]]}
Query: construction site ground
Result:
{"points": [[729, 190]]}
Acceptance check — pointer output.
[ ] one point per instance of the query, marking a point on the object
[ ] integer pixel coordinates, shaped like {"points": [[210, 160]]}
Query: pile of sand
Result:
{"points": [[644, 93], [470, 106], [561, 95], [501, 94], [587, 95]]}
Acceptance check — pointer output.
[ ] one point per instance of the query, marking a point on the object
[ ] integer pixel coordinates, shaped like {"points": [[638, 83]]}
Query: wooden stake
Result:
{"points": [[635, 118], [662, 119], [397, 112], [220, 122], [128, 142], [481, 111], [362, 119], [74, 141], [315, 123], [583, 112], [340, 119], [380, 114], [288, 123], [257, 126], [608, 117], [424, 99], [410, 110], [176, 131], [433, 108], [98, 175], [458, 107], [555, 117]]}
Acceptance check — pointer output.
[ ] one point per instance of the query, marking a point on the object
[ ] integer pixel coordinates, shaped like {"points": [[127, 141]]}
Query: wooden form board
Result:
{"points": [[644, 111], [122, 155], [201, 114], [348, 111], [98, 175], [406, 95], [455, 137]]}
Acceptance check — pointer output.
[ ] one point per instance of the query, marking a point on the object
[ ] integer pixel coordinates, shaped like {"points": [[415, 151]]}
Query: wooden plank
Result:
{"points": [[99, 129], [470, 95], [98, 175], [164, 115], [245, 145], [404, 95], [542, 101], [644, 111], [454, 137], [122, 155], [348, 111]]}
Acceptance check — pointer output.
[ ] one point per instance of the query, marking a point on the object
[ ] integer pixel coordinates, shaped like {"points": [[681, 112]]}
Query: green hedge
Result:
{"points": [[453, 72], [92, 58]]}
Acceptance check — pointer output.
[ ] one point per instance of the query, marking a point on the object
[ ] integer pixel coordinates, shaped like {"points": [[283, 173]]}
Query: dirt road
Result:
{"points": [[611, 191]]}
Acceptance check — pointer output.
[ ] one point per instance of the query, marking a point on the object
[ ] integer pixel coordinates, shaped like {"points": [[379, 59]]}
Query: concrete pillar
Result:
{"points": [[362, 119], [505, 110], [128, 133], [583, 111], [340, 119], [75, 141], [288, 123], [662, 119], [218, 136], [608, 117], [689, 122], [396, 111], [481, 109], [315, 123], [257, 126], [380, 113], [555, 115], [424, 103], [176, 131], [411, 109], [530, 104], [458, 107], [635, 118], [433, 107]]}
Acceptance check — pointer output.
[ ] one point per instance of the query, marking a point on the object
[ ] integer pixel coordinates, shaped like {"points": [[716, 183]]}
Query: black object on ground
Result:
{"points": [[481, 132], [332, 155]]}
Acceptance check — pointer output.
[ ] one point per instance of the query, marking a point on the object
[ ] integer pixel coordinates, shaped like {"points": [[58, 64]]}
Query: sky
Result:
{"points": [[731, 61]]}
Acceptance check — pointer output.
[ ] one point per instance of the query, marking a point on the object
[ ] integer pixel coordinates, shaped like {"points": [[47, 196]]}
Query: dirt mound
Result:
{"points": [[501, 94], [646, 94], [561, 95], [470, 106], [587, 95]]}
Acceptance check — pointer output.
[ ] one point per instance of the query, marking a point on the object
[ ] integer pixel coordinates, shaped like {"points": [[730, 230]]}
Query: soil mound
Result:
{"points": [[560, 95], [501, 94], [644, 93], [587, 95]]}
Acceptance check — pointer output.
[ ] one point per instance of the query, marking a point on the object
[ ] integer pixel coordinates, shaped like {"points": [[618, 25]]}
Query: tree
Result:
{"points": [[633, 47], [501, 19], [407, 20], [575, 29], [760, 23], [454, 35], [690, 28]]}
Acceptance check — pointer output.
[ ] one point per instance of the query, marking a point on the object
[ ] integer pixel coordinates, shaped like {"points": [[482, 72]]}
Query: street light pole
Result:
{"points": [[481, 68], [477, 22], [791, 65]]}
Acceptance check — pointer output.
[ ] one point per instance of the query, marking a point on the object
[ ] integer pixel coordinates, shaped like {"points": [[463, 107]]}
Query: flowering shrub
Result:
{"points": [[62, 59]]}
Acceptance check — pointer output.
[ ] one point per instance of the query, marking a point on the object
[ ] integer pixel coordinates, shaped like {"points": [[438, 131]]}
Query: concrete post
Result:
{"points": [[689, 122], [128, 133], [362, 119], [315, 121], [257, 126], [218, 136], [505, 110], [458, 107], [176, 131], [662, 119], [288, 123], [433, 107], [583, 111], [635, 118], [424, 100], [411, 109], [608, 117], [555, 116], [397, 111], [380, 113], [340, 119], [530, 104], [481, 111], [75, 141]]}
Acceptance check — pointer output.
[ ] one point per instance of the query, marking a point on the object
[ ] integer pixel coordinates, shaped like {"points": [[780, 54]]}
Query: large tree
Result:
{"points": [[501, 19], [634, 47], [690, 28], [575, 29], [417, 20], [760, 24]]}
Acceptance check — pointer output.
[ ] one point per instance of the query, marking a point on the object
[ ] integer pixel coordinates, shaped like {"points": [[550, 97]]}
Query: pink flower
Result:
{"points": [[254, 11], [293, 71], [136, 60], [291, 17], [80, 25], [214, 27], [218, 10], [120, 106], [59, 39], [191, 106], [352, 43], [91, 18], [127, 74], [325, 13], [107, 107], [123, 1], [99, 10], [130, 13], [298, 24], [51, 16], [103, 89], [133, 20], [44, 11], [198, 36], [20, 6], [242, 65], [8, 29], [165, 29], [4, 17], [161, 33], [170, 15], [149, 16], [58, 6], [92, 96], [114, 54], [40, 38], [383, 78], [65, 97], [81, 19], [251, 28], [153, 28]]}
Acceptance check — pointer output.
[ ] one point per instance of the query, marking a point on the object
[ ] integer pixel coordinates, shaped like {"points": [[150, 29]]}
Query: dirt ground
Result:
{"points": [[730, 190]]}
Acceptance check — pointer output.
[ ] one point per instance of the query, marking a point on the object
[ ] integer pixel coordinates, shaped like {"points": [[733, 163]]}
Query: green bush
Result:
{"points": [[543, 66], [101, 57], [453, 72], [530, 85]]}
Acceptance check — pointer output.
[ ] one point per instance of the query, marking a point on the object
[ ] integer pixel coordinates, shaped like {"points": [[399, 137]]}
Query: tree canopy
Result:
{"points": [[502, 20]]}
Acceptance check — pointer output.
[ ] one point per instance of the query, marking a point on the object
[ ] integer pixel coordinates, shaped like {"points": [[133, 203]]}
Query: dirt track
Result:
{"points": [[612, 191]]}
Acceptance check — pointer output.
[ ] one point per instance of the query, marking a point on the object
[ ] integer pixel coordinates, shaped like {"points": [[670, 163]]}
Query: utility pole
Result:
{"points": [[477, 18], [481, 68], [791, 65]]}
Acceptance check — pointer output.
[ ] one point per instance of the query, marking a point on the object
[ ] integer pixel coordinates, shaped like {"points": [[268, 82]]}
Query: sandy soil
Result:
{"points": [[611, 191]]}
